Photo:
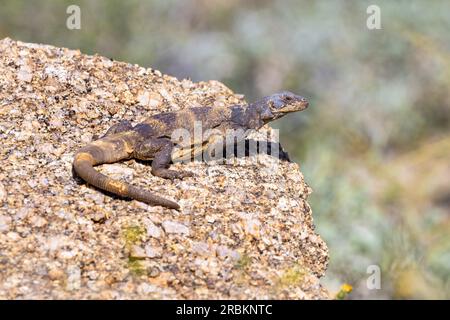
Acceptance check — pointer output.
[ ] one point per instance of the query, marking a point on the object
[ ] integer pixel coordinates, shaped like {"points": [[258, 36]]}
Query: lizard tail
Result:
{"points": [[91, 155]]}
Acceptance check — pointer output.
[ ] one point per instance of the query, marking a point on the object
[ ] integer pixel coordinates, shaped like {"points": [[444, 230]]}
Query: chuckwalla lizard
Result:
{"points": [[151, 140]]}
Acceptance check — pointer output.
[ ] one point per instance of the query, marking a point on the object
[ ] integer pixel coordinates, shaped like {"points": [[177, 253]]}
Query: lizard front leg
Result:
{"points": [[160, 150]]}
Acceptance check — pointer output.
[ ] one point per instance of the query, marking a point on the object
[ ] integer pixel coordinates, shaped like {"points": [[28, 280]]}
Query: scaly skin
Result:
{"points": [[150, 140]]}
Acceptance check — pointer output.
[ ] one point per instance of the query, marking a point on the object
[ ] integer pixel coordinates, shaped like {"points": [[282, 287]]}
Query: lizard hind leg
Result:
{"points": [[160, 150]]}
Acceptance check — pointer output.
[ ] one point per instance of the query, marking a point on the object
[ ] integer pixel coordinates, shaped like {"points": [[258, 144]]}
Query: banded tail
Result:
{"points": [[111, 149]]}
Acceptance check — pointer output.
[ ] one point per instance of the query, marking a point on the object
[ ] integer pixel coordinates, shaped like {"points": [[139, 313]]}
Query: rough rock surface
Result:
{"points": [[245, 230]]}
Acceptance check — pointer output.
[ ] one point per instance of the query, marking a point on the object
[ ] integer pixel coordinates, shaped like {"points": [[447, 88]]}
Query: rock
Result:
{"points": [[2, 193], [73, 277], [283, 204], [46, 148], [244, 230], [146, 288], [149, 99], [5, 222], [57, 72], [138, 252], [14, 236], [25, 74], [152, 252], [56, 274], [153, 272], [251, 225], [38, 221], [67, 254], [201, 248], [175, 227], [223, 252], [56, 123], [152, 230], [117, 171]]}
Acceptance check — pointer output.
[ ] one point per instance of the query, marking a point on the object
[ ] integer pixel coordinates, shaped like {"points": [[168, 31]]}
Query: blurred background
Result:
{"points": [[374, 144]]}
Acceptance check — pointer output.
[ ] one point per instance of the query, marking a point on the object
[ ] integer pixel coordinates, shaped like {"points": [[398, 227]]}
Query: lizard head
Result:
{"points": [[277, 105]]}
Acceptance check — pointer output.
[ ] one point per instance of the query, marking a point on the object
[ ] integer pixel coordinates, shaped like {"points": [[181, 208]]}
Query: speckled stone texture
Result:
{"points": [[245, 230]]}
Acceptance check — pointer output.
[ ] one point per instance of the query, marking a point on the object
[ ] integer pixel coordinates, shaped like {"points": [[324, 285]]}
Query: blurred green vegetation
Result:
{"points": [[375, 143]]}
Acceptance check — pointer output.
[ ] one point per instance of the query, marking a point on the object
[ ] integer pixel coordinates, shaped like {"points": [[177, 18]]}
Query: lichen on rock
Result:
{"points": [[245, 231]]}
